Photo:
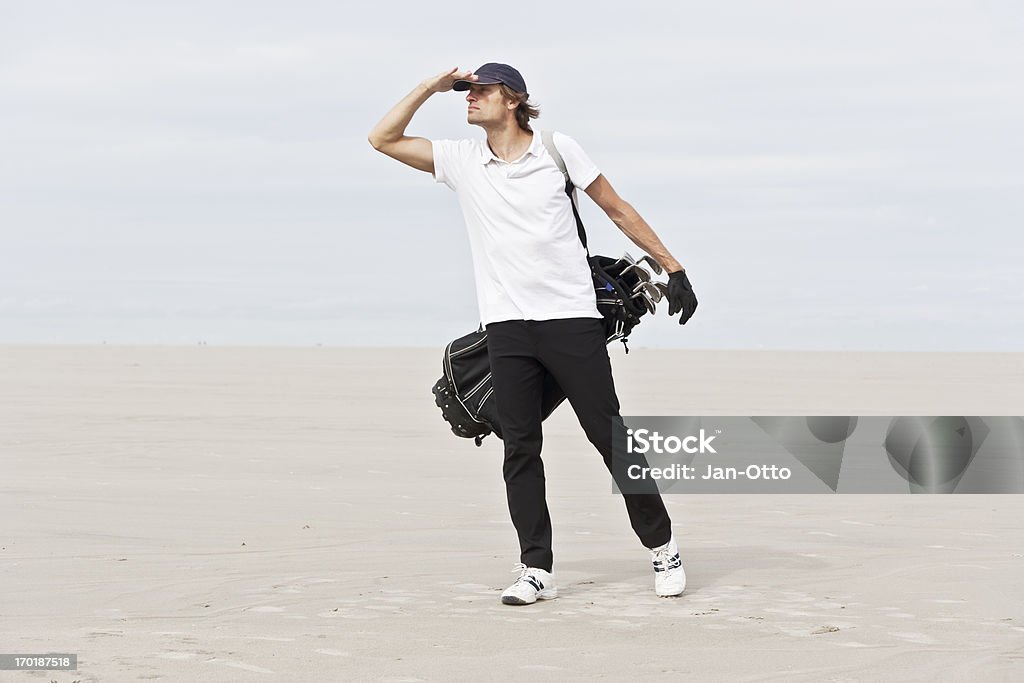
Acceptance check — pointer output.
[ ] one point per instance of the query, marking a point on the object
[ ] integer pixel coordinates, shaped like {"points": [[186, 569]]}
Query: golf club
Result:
{"points": [[648, 304], [655, 266], [652, 291], [639, 270]]}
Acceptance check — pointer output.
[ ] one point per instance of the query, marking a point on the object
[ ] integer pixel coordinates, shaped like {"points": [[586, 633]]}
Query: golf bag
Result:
{"points": [[465, 394]]}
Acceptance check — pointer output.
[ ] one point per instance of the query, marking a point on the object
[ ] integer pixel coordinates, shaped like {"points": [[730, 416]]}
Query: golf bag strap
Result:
{"points": [[548, 138]]}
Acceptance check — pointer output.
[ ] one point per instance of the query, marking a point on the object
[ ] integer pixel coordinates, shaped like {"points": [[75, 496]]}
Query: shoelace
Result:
{"points": [[663, 559], [521, 568], [525, 576]]}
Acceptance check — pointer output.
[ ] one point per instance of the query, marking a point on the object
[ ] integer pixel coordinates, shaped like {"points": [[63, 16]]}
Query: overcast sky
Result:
{"points": [[833, 175]]}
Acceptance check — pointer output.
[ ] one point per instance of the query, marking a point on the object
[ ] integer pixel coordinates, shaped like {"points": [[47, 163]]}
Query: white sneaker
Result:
{"points": [[669, 576], [532, 585]]}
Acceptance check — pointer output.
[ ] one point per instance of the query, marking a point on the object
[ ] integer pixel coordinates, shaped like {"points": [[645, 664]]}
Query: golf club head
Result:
{"points": [[638, 270], [648, 304], [655, 266], [652, 291], [627, 257], [662, 287]]}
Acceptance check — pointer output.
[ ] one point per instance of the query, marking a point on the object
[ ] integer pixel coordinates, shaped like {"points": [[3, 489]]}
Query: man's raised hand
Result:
{"points": [[444, 81]]}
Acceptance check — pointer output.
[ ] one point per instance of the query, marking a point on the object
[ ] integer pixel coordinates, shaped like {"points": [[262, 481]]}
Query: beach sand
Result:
{"points": [[214, 513]]}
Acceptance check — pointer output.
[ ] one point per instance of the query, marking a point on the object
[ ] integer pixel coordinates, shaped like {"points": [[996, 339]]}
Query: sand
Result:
{"points": [[208, 513]]}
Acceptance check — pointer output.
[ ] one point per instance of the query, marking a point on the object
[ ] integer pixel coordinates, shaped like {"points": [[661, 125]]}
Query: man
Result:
{"points": [[536, 296]]}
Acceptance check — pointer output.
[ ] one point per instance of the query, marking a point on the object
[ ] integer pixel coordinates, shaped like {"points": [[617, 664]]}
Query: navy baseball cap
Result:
{"points": [[493, 72]]}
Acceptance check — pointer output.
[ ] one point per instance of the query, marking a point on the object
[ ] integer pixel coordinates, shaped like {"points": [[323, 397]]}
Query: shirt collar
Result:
{"points": [[487, 155]]}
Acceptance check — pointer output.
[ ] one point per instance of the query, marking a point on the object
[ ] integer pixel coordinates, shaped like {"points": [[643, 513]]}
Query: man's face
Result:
{"points": [[485, 104]]}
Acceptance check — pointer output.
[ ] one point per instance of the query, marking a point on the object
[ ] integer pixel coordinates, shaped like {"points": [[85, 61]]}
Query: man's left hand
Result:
{"points": [[681, 298]]}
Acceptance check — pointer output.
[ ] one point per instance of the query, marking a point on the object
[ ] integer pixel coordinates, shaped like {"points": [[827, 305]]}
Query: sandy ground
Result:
{"points": [[303, 514]]}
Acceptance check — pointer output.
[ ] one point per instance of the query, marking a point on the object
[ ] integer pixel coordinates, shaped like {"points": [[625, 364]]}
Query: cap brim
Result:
{"points": [[464, 85]]}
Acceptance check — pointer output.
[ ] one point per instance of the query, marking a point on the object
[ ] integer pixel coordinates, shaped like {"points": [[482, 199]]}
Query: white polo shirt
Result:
{"points": [[528, 261]]}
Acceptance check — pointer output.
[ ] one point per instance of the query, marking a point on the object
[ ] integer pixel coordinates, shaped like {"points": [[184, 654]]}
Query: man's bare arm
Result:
{"points": [[389, 137], [631, 223]]}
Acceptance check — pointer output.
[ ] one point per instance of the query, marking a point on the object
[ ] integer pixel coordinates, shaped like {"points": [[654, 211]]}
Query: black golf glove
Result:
{"points": [[680, 296]]}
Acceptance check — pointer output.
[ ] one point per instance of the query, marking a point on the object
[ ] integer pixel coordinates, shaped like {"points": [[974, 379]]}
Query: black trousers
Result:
{"points": [[573, 351]]}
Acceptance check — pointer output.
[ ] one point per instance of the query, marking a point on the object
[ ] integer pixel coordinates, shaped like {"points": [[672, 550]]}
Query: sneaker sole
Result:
{"points": [[513, 600], [670, 595]]}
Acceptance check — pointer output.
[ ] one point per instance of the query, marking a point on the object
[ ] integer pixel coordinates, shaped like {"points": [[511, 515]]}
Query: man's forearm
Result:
{"points": [[392, 127], [643, 236]]}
